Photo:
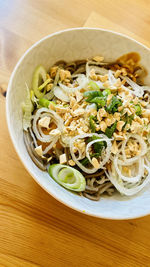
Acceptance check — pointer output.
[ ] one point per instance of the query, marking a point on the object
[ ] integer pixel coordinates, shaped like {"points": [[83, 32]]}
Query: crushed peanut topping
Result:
{"points": [[95, 163]]}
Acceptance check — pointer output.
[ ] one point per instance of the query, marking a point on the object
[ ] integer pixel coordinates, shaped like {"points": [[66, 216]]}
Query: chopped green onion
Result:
{"points": [[45, 102], [110, 130], [138, 110], [84, 161], [44, 84], [68, 177], [91, 94], [39, 75], [92, 124], [114, 104], [93, 85], [98, 146], [27, 108], [99, 100], [106, 92]]}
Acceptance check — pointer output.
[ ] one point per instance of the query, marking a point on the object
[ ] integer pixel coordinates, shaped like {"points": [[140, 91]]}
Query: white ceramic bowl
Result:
{"points": [[70, 45]]}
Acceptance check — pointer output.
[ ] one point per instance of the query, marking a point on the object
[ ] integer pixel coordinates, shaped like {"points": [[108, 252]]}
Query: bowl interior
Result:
{"points": [[72, 45]]}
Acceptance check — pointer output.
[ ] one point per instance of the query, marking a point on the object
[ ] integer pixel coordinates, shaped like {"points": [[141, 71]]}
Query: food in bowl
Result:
{"points": [[87, 124]]}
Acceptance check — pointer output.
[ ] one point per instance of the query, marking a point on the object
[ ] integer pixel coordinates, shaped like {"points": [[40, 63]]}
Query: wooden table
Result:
{"points": [[35, 229]]}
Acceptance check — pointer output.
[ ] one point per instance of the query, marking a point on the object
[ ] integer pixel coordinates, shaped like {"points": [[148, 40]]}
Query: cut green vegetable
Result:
{"points": [[92, 123], [44, 84], [89, 95], [93, 85], [43, 102], [110, 130], [114, 104], [27, 108], [98, 146], [68, 177], [106, 92], [39, 76], [138, 110], [100, 101]]}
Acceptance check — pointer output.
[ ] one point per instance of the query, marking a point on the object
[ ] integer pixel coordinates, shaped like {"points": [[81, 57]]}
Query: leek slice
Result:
{"points": [[68, 177], [27, 108], [38, 75]]}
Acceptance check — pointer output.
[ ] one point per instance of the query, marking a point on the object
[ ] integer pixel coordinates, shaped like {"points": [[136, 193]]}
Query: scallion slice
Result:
{"points": [[68, 177]]}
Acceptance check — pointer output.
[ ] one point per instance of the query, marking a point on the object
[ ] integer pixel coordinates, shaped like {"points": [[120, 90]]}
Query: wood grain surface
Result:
{"points": [[35, 229]]}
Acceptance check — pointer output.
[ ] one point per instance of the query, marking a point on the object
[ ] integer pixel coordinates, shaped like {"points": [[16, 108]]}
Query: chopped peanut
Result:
{"points": [[101, 113], [120, 124], [103, 126], [79, 111], [39, 151], [95, 163], [49, 87], [53, 71], [117, 116], [79, 96], [106, 84], [114, 148], [44, 122], [61, 109], [71, 162], [62, 159], [109, 98], [64, 74], [119, 137], [102, 78], [146, 113], [136, 127], [109, 121], [117, 73], [120, 108]]}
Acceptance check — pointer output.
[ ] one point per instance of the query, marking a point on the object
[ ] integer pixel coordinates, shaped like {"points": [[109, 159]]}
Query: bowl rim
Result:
{"points": [[14, 142]]}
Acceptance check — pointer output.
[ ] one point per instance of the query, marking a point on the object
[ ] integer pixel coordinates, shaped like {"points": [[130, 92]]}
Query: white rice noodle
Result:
{"points": [[82, 81], [76, 160], [127, 188], [107, 150]]}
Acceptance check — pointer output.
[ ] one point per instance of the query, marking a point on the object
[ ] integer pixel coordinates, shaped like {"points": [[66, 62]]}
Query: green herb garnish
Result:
{"points": [[98, 146], [100, 101], [110, 130], [114, 104], [93, 85], [92, 123], [138, 110], [89, 95], [106, 92]]}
